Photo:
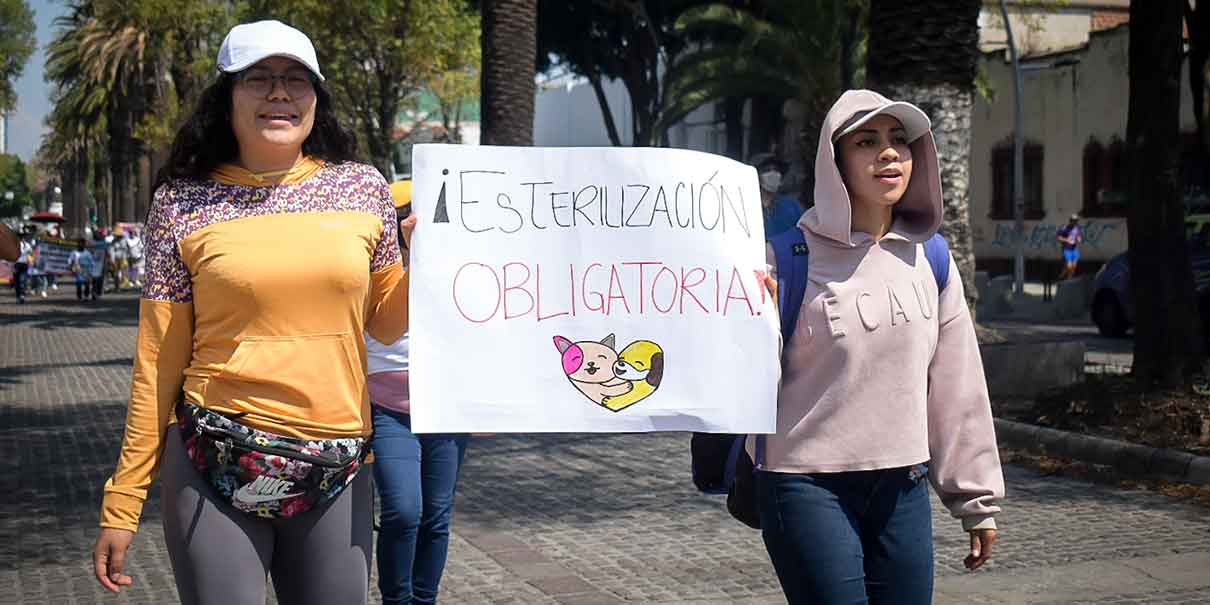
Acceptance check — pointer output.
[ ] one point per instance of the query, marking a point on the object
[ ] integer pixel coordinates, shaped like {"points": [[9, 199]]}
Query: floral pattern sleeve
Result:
{"points": [[386, 251], [167, 278]]}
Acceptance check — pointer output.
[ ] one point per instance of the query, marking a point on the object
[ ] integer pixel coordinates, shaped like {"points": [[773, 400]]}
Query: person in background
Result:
{"points": [[135, 265], [81, 262], [416, 475], [38, 281], [1071, 236], [26, 250], [100, 256], [119, 253], [781, 211], [52, 279]]}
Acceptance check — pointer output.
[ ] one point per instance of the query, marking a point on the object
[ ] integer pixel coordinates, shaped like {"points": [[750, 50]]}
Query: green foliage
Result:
{"points": [[792, 50], [629, 40], [17, 43], [450, 72], [376, 53], [12, 178]]}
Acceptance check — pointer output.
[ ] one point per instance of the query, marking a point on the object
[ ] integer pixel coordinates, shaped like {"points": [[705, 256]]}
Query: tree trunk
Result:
{"points": [[733, 122], [381, 147], [949, 108], [849, 37], [808, 146], [925, 52], [1198, 22], [1167, 341], [767, 124], [509, 40], [79, 187], [73, 211], [611, 127]]}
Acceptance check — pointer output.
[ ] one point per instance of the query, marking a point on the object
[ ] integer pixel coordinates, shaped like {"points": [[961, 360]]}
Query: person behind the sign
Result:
{"points": [[781, 211], [81, 262], [416, 475], [244, 331], [882, 383]]}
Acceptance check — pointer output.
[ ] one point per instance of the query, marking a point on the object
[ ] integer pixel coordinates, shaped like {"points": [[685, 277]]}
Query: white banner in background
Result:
{"points": [[589, 290]]}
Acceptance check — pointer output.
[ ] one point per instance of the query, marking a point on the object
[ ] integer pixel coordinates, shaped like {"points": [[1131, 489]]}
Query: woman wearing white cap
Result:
{"points": [[881, 380], [268, 254]]}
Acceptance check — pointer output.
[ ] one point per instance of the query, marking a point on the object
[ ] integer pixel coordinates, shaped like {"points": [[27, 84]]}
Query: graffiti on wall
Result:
{"points": [[1042, 236]]}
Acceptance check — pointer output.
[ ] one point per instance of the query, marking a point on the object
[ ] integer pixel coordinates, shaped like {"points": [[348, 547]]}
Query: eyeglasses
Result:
{"points": [[261, 82]]}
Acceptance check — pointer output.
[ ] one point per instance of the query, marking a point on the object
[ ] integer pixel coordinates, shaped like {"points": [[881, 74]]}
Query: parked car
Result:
{"points": [[1113, 306]]}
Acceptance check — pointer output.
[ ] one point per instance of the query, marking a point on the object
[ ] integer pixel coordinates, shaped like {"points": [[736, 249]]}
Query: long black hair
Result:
{"points": [[206, 139]]}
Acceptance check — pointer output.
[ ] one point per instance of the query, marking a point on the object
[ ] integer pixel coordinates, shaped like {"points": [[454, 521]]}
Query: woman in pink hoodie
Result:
{"points": [[882, 383]]}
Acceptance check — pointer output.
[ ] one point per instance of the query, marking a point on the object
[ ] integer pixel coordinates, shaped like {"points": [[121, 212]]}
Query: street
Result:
{"points": [[540, 519]]}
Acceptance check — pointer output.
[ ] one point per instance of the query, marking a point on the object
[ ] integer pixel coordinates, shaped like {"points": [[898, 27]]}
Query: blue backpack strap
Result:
{"points": [[790, 249], [791, 253], [937, 252]]}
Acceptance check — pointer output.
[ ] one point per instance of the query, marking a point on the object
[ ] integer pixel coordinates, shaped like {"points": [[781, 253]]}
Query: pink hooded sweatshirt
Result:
{"points": [[882, 370]]}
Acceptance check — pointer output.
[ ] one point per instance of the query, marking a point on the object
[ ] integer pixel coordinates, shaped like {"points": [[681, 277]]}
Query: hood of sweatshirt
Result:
{"points": [[918, 214]]}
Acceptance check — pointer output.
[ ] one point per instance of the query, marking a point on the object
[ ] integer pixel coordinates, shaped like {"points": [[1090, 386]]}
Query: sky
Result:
{"points": [[33, 94]]}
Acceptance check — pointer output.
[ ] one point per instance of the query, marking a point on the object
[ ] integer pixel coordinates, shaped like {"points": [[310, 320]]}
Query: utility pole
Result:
{"points": [[1018, 158]]}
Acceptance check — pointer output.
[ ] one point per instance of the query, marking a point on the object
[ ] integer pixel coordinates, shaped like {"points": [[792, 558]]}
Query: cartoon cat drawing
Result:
{"points": [[641, 363], [590, 365]]}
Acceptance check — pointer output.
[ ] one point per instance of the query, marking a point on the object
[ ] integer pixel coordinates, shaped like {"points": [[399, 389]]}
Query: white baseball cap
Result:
{"points": [[248, 43], [914, 120]]}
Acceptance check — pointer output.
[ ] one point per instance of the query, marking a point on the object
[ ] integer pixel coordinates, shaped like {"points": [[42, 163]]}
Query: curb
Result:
{"points": [[1127, 458]]}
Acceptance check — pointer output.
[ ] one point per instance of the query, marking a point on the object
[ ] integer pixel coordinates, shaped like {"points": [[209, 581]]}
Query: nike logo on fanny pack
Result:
{"points": [[264, 489]]}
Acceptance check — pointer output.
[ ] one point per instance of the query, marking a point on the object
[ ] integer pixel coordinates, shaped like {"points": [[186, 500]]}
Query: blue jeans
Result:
{"points": [[850, 538], [416, 477]]}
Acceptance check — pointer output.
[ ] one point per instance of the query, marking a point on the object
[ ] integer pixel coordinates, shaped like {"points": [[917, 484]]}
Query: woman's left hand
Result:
{"points": [[981, 548], [770, 284]]}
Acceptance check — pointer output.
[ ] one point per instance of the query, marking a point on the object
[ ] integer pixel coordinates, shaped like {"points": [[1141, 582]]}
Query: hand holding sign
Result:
{"points": [[407, 226]]}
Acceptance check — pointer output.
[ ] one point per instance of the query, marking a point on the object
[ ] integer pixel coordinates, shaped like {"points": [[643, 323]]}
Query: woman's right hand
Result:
{"points": [[109, 558], [407, 225]]}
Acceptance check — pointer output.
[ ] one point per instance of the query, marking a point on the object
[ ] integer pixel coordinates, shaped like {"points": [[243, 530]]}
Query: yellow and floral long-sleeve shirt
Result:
{"points": [[256, 302]]}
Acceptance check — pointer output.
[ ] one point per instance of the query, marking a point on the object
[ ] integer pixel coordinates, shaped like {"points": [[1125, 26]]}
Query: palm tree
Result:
{"points": [[509, 54], [102, 71], [925, 52], [77, 119], [789, 50], [124, 74]]}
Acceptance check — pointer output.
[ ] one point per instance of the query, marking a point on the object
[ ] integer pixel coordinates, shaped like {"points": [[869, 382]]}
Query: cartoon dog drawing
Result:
{"points": [[641, 363], [590, 365]]}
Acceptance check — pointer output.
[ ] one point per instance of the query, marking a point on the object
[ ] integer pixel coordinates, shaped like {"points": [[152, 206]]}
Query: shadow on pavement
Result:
{"points": [[12, 374], [60, 312]]}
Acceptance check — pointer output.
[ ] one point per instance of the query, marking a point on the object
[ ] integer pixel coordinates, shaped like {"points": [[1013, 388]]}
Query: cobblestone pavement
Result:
{"points": [[540, 519]]}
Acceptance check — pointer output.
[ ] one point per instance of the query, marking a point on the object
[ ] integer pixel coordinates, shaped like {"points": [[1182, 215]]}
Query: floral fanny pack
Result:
{"points": [[263, 474]]}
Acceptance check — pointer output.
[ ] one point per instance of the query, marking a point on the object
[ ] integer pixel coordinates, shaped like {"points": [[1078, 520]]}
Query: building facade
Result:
{"points": [[1075, 106]]}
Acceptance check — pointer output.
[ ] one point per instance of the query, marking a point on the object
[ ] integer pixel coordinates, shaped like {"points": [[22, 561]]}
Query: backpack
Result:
{"points": [[721, 464]]}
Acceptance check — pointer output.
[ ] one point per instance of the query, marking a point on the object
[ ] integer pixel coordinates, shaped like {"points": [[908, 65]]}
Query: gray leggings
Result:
{"points": [[220, 556]]}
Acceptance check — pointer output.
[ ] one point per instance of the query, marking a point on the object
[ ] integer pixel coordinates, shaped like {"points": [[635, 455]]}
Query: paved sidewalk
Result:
{"points": [[540, 519]]}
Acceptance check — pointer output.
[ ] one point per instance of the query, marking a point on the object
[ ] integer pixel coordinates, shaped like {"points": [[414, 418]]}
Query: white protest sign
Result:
{"points": [[589, 290]]}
